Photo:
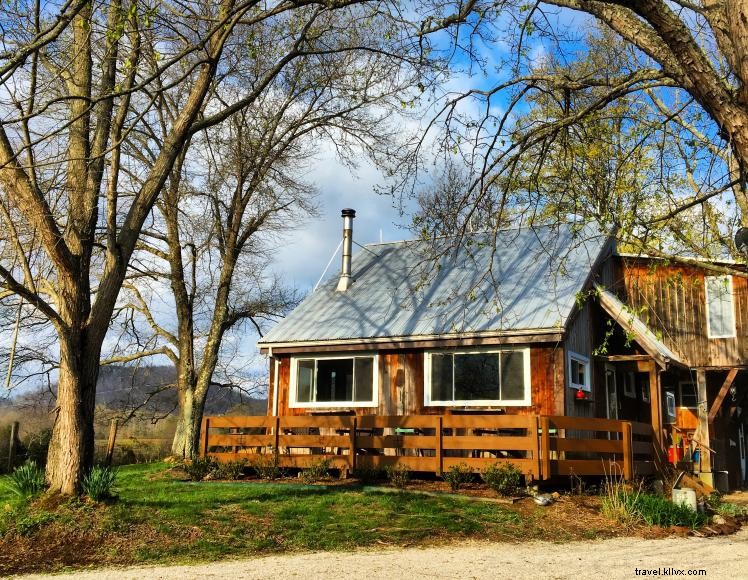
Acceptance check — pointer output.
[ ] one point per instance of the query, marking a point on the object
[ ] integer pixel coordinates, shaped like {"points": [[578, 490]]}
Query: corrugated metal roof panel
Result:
{"points": [[523, 279]]}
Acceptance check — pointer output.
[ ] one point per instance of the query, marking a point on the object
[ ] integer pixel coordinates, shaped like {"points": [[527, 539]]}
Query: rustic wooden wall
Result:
{"points": [[401, 386], [671, 299]]}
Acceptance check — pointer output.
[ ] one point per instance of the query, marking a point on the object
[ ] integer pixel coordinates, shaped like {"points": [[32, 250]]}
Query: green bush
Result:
{"points": [[716, 504], [26, 481], [266, 467], [399, 476], [369, 474], [200, 467], [318, 471], [457, 476], [653, 510], [504, 479], [98, 484], [232, 470]]}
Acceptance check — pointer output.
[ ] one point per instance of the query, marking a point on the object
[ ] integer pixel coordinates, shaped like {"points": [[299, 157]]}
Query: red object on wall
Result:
{"points": [[579, 395]]}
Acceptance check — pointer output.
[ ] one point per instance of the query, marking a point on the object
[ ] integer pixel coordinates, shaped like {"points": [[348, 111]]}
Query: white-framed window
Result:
{"points": [[629, 385], [720, 307], [579, 371], [334, 381], [483, 377]]}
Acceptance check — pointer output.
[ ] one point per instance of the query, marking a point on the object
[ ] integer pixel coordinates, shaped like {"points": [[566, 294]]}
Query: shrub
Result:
{"points": [[716, 504], [266, 467], [98, 484], [26, 481], [457, 476], [504, 479], [200, 467], [399, 476], [318, 471], [369, 474], [232, 470]]}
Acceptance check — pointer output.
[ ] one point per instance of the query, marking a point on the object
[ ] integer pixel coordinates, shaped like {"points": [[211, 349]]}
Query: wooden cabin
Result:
{"points": [[543, 329]]}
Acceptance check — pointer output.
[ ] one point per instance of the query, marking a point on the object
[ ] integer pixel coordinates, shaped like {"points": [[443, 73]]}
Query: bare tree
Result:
{"points": [[81, 83]]}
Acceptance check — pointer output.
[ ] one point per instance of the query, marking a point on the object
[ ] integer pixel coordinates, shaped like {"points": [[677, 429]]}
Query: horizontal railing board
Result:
{"points": [[241, 422], [333, 422], [395, 421], [588, 467], [314, 441], [492, 442], [587, 445], [239, 440], [396, 441], [488, 422], [587, 424]]}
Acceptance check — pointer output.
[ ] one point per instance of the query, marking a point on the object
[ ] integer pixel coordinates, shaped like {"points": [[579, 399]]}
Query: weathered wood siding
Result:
{"points": [[401, 386], [671, 299]]}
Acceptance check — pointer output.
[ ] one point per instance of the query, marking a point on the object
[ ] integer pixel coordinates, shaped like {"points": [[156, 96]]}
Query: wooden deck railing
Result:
{"points": [[542, 447]]}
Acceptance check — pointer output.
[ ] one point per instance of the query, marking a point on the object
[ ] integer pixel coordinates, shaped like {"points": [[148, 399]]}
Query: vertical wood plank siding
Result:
{"points": [[401, 386], [671, 299]]}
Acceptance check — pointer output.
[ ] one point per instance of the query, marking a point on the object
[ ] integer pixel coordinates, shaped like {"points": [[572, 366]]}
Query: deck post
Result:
{"points": [[204, 435], [545, 445], [628, 455], [439, 446], [276, 442], [705, 469], [352, 451]]}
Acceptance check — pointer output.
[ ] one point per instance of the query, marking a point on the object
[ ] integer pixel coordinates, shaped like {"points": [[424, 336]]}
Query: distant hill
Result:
{"points": [[147, 391]]}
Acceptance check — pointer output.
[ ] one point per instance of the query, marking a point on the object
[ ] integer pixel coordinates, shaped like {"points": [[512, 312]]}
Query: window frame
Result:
{"points": [[679, 394], [709, 333], [579, 358], [427, 368], [294, 403], [629, 384]]}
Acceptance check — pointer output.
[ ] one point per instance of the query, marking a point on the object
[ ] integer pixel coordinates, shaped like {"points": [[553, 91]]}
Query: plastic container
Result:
{"points": [[685, 496]]}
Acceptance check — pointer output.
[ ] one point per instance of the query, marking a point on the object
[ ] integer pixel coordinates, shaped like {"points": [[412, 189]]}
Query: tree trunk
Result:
{"points": [[186, 442], [71, 449]]}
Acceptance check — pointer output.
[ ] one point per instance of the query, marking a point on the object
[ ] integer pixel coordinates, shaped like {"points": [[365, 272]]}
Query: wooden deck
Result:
{"points": [[542, 447]]}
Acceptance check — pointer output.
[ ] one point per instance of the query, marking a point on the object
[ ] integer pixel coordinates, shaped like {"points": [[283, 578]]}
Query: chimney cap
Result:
{"points": [[348, 212]]}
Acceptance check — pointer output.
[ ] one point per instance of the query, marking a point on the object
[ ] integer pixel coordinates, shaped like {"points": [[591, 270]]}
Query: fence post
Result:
{"points": [[353, 445], [12, 446], [439, 446], [113, 424], [276, 443], [628, 456], [545, 445], [204, 435]]}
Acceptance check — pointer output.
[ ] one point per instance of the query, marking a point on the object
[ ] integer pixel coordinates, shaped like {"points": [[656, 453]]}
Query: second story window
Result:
{"points": [[720, 313]]}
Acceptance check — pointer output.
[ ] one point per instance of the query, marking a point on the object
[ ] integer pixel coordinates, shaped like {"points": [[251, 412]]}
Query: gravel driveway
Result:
{"points": [[722, 557]]}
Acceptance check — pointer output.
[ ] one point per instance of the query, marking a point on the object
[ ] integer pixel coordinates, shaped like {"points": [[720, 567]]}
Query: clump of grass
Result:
{"points": [[504, 479], [457, 476], [98, 484], [231, 470], [26, 481], [200, 467], [629, 507], [399, 476], [266, 467], [318, 471], [27, 524], [725, 508]]}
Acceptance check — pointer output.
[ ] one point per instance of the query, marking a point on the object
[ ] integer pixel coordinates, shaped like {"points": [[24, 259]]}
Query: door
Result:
{"points": [[611, 393]]}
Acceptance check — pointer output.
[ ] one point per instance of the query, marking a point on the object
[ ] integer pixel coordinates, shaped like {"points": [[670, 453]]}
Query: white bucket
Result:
{"points": [[685, 497]]}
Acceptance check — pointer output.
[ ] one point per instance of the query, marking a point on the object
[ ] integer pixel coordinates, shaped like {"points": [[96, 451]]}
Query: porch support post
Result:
{"points": [[705, 455], [655, 404]]}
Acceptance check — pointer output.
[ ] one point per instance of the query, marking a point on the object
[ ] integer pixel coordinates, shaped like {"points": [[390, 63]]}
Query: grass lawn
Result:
{"points": [[159, 518]]}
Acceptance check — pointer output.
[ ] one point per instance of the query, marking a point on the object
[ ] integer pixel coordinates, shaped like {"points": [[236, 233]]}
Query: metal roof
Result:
{"points": [[509, 281]]}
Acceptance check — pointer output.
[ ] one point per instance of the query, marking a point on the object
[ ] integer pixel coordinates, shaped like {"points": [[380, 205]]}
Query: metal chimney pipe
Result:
{"points": [[345, 274]]}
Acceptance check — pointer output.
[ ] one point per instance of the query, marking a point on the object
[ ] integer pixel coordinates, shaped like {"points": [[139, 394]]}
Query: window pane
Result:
{"points": [[512, 376], [719, 299], [304, 381], [364, 379], [334, 380], [688, 396], [476, 376], [441, 377]]}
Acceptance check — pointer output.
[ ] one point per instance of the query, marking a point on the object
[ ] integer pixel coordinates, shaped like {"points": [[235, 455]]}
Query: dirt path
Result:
{"points": [[723, 557]]}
